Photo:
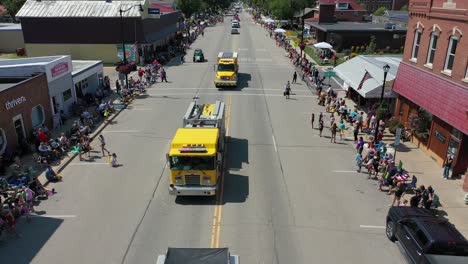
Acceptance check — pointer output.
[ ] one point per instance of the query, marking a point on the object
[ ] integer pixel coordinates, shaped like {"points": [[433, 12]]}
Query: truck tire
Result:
{"points": [[390, 230]]}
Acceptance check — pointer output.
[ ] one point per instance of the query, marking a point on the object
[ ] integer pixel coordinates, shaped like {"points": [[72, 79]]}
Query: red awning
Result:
{"points": [[443, 98], [163, 8]]}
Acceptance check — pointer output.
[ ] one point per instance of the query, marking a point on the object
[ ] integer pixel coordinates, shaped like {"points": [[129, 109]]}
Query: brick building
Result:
{"points": [[338, 10], [433, 78], [24, 107]]}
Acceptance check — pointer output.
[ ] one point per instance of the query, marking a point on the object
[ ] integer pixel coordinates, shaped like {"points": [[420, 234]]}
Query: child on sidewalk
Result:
{"points": [[113, 160], [358, 161]]}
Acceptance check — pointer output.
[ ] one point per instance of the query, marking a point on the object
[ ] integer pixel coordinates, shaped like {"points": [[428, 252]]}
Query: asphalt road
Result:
{"points": [[289, 196]]}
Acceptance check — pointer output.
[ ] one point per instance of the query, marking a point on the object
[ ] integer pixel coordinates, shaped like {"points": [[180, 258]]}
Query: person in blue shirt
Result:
{"points": [[51, 175]]}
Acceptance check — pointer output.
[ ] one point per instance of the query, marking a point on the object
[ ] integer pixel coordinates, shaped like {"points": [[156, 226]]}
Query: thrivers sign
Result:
{"points": [[10, 104]]}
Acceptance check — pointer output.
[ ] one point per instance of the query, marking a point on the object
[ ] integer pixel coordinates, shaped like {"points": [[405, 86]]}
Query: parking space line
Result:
{"points": [[372, 226]]}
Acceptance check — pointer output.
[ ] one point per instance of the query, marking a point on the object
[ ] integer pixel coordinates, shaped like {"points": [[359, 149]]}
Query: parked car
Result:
{"points": [[424, 237]]}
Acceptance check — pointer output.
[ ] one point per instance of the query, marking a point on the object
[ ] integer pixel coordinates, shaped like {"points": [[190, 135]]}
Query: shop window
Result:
{"points": [[37, 116], [67, 95], [432, 48], [416, 43], [3, 141], [450, 58]]}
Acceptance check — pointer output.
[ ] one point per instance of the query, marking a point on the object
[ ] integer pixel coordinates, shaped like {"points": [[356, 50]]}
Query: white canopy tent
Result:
{"points": [[323, 45], [352, 72], [280, 30]]}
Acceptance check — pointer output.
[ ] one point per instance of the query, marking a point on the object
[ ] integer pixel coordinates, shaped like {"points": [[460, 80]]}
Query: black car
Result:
{"points": [[425, 237]]}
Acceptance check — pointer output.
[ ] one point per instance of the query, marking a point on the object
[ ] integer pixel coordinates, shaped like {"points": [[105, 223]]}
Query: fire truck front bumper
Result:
{"points": [[225, 83], [192, 190]]}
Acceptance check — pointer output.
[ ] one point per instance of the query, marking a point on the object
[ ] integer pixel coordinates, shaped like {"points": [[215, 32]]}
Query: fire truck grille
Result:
{"points": [[192, 179]]}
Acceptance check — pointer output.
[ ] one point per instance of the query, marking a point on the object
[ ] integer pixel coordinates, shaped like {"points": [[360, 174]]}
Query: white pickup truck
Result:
{"points": [[197, 256]]}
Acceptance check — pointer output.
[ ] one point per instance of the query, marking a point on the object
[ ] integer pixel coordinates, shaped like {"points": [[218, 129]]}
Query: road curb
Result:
{"points": [[68, 160]]}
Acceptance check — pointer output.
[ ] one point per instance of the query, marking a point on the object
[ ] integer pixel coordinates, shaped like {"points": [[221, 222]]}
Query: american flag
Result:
{"points": [[366, 77]]}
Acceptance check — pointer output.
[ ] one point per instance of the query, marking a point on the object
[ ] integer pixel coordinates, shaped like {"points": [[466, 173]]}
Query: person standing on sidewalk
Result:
{"points": [[117, 86], [342, 129], [359, 161], [163, 75], [294, 77], [312, 118], [321, 117], [320, 127], [355, 130], [447, 165], [102, 140], [333, 129]]}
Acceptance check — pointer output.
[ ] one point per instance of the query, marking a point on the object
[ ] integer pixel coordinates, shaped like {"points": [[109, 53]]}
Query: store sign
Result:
{"points": [[10, 104], [440, 136], [130, 52], [154, 11], [59, 69]]}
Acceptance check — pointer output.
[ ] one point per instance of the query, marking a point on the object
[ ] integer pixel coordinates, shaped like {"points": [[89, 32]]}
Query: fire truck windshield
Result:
{"points": [[192, 163]]}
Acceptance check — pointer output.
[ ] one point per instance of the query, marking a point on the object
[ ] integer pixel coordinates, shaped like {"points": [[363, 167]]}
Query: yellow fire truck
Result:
{"points": [[226, 69], [196, 155]]}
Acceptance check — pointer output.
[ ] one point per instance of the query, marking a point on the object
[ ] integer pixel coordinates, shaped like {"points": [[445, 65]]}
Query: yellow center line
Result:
{"points": [[218, 211]]}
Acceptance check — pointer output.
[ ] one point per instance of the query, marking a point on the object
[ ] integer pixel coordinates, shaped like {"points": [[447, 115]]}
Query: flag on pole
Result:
{"points": [[366, 77]]}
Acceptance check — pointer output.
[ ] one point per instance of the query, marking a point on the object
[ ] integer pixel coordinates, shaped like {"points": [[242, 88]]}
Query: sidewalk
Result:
{"points": [[416, 162], [428, 172], [28, 160]]}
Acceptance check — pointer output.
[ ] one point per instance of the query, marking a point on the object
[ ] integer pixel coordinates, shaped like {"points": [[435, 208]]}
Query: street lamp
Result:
{"points": [[386, 68], [121, 11]]}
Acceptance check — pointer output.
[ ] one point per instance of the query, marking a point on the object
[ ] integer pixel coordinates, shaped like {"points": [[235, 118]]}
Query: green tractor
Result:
{"points": [[198, 56]]}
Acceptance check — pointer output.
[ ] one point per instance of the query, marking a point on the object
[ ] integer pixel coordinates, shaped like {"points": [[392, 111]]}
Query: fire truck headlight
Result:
{"points": [[206, 180], [178, 179]]}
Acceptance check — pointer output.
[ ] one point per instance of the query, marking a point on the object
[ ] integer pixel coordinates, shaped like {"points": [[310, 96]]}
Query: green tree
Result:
{"points": [[285, 9], [380, 11], [372, 45], [13, 6], [188, 7], [404, 8]]}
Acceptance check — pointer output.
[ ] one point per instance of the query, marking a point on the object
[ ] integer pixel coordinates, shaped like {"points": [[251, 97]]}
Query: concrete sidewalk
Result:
{"points": [[428, 172]]}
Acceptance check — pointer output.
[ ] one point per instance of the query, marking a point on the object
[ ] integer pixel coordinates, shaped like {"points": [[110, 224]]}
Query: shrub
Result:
{"points": [[393, 124], [421, 123]]}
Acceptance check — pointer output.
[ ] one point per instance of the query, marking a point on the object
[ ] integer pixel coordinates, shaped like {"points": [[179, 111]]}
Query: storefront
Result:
{"points": [[59, 79], [87, 77], [443, 110], [24, 107]]}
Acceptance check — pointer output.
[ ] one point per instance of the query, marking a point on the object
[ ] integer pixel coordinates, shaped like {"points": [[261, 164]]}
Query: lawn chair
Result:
{"points": [[412, 184]]}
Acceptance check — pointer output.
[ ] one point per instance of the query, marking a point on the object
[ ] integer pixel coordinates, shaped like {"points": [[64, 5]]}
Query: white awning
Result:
{"points": [[353, 71]]}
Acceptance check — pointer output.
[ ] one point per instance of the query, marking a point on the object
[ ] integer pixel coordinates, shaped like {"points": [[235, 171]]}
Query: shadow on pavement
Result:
{"points": [[236, 188], [243, 80], [34, 235], [238, 153], [195, 200]]}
